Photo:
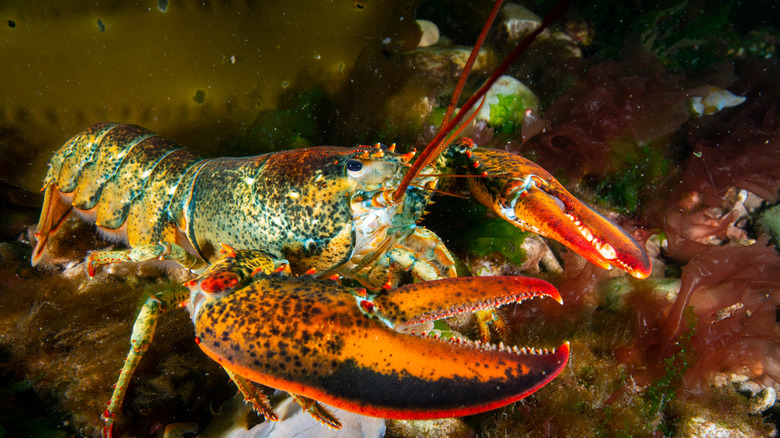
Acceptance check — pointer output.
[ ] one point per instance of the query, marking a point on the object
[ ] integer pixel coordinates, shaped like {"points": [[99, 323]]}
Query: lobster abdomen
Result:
{"points": [[121, 177]]}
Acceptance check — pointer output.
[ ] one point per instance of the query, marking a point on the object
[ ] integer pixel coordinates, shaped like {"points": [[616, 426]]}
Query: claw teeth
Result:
{"points": [[498, 347], [585, 231], [473, 307], [607, 250]]}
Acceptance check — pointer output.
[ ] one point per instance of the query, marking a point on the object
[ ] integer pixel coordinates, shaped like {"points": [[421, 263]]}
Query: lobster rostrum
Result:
{"points": [[328, 212]]}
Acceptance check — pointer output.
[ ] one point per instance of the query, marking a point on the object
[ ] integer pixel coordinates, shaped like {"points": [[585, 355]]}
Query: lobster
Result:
{"points": [[244, 225]]}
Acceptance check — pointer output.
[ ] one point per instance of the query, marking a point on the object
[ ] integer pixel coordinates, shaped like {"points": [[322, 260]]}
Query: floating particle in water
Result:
{"points": [[200, 97], [101, 26], [11, 24], [162, 5]]}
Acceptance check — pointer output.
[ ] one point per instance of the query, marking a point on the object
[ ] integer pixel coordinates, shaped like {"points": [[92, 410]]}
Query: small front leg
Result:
{"points": [[424, 255], [486, 318], [143, 332], [142, 253]]}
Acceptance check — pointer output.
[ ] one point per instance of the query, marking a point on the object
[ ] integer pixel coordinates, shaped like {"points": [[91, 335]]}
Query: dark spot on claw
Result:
{"points": [[11, 24]]}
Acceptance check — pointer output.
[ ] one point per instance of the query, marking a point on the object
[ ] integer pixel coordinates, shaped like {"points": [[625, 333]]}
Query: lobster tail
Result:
{"points": [[121, 177]]}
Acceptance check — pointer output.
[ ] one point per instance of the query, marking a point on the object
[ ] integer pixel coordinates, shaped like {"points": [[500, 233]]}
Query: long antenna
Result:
{"points": [[434, 148], [464, 75]]}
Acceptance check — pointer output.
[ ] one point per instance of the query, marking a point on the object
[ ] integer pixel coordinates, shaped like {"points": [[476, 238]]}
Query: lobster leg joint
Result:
{"points": [[143, 333]]}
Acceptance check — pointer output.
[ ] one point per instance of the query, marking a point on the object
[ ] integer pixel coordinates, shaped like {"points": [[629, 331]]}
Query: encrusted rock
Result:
{"points": [[442, 428]]}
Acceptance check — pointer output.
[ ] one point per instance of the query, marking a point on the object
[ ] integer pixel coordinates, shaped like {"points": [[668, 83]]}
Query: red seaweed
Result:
{"points": [[733, 293], [611, 101], [740, 149]]}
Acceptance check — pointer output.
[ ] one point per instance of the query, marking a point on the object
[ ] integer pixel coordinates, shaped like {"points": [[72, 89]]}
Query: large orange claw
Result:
{"points": [[333, 344], [525, 194]]}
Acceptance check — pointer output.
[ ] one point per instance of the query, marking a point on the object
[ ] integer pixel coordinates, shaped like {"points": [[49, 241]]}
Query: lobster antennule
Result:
{"points": [[437, 145], [328, 349]]}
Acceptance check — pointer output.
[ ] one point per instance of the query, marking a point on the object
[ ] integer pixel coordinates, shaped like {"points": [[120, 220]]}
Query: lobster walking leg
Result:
{"points": [[424, 255], [143, 332], [160, 251], [259, 401], [317, 411], [219, 280]]}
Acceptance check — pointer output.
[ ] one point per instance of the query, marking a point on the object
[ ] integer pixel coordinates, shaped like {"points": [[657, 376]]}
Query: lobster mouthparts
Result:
{"points": [[330, 343]]}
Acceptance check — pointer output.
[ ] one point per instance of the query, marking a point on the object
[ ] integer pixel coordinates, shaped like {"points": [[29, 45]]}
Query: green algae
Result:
{"points": [[504, 114], [663, 390], [498, 236], [481, 236], [769, 222], [639, 170]]}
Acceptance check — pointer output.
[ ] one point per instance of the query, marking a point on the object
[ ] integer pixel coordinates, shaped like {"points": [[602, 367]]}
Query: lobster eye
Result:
{"points": [[354, 168]]}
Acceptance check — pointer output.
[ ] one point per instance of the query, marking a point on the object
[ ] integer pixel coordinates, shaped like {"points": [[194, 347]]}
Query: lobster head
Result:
{"points": [[296, 204]]}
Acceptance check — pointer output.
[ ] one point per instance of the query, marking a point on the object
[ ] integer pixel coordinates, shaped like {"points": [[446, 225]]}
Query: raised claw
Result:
{"points": [[332, 344], [525, 194]]}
